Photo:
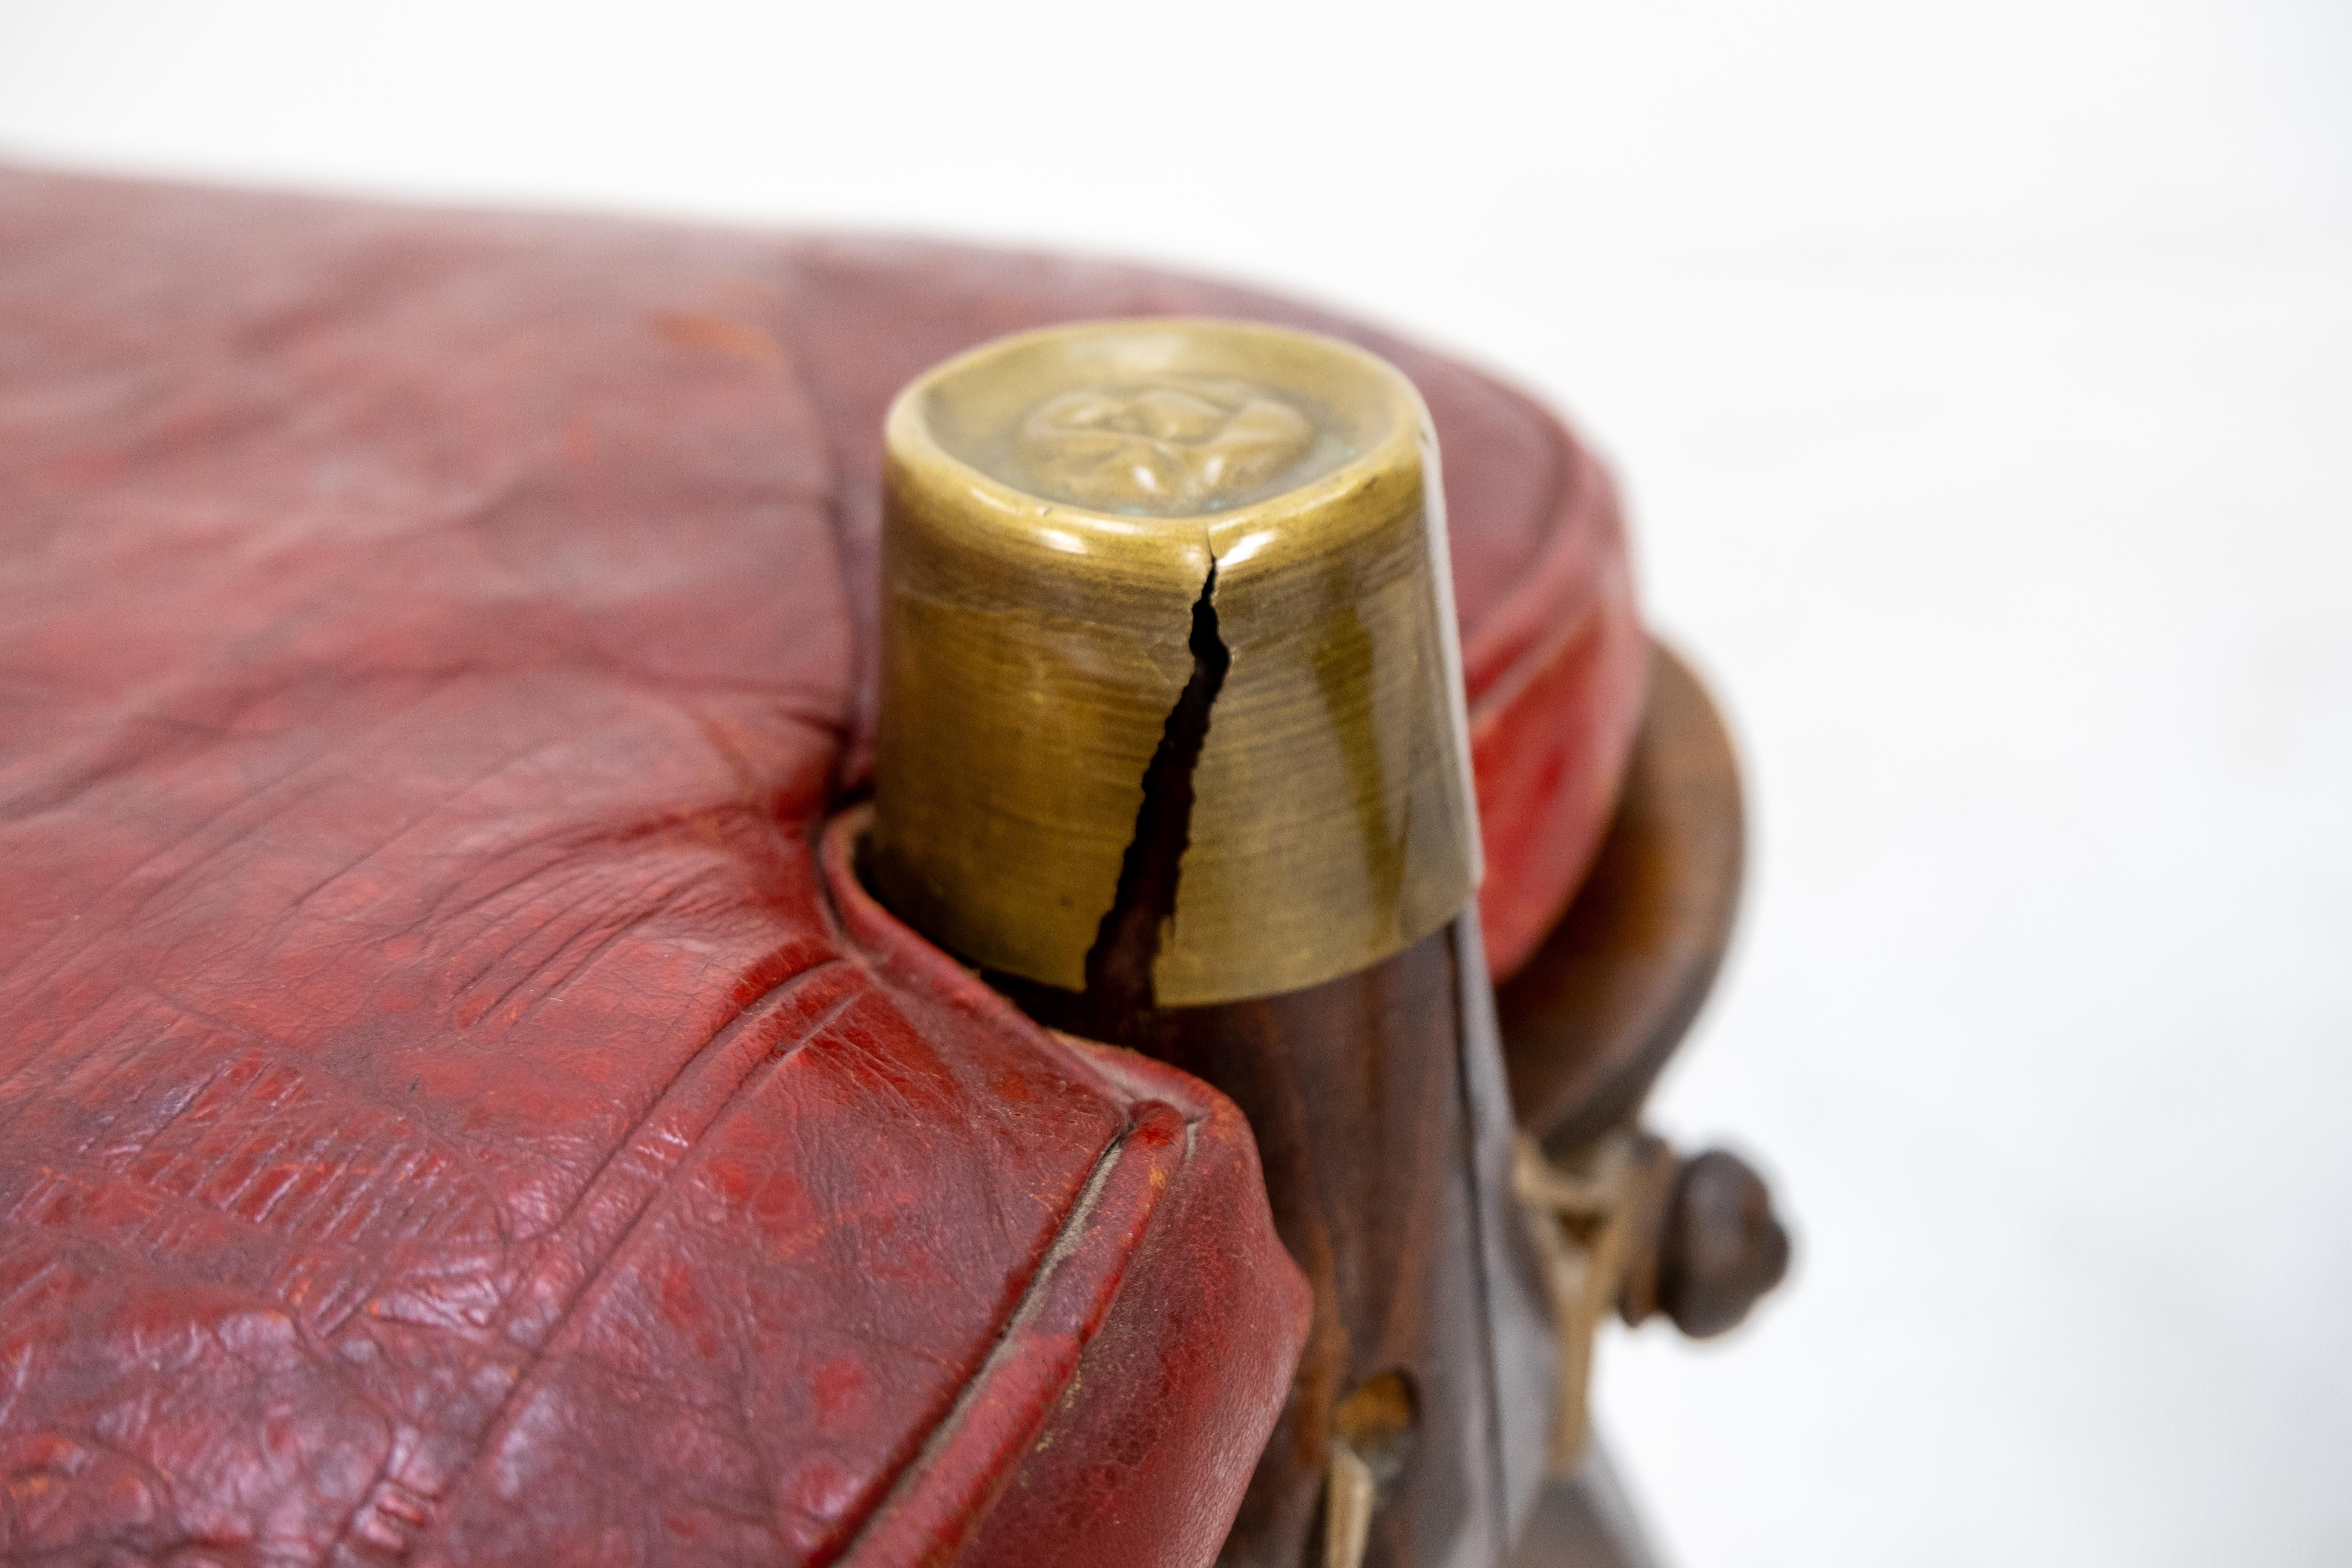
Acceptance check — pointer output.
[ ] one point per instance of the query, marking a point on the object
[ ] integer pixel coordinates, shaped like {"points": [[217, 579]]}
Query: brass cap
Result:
{"points": [[1169, 657]]}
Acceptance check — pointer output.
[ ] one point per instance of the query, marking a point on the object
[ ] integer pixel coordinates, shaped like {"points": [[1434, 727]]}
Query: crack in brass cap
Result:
{"points": [[1092, 536]]}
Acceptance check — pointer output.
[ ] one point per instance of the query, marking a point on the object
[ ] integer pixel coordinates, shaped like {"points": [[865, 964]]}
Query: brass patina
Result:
{"points": [[1080, 524]]}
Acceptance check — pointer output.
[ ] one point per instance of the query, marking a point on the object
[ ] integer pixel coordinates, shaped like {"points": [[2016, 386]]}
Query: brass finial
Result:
{"points": [[1170, 699]]}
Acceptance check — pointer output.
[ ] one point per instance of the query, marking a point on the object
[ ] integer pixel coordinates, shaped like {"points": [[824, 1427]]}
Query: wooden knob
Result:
{"points": [[1709, 1246], [1170, 699]]}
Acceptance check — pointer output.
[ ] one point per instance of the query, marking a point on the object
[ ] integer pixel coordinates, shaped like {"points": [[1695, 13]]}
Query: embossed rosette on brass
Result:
{"points": [[1171, 744]]}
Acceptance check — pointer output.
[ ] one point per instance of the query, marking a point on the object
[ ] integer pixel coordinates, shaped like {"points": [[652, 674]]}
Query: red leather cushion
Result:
{"points": [[447, 1110]]}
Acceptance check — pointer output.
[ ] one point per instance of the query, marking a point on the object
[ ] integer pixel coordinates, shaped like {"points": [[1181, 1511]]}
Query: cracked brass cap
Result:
{"points": [[1170, 694]]}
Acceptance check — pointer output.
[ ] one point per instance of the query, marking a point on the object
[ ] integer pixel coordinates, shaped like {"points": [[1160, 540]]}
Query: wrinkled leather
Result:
{"points": [[449, 1111]]}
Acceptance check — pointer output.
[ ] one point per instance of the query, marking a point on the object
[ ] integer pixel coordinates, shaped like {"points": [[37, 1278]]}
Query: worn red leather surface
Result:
{"points": [[447, 1114]]}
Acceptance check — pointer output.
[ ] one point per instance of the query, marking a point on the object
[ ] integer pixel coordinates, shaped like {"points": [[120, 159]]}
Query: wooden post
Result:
{"points": [[1170, 745]]}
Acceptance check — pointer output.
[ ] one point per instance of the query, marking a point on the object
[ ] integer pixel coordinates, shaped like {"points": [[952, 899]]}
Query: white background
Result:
{"points": [[1982, 378]]}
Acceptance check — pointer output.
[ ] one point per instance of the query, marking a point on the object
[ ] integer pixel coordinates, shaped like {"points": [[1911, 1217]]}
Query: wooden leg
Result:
{"points": [[1367, 1105], [1584, 1520]]}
